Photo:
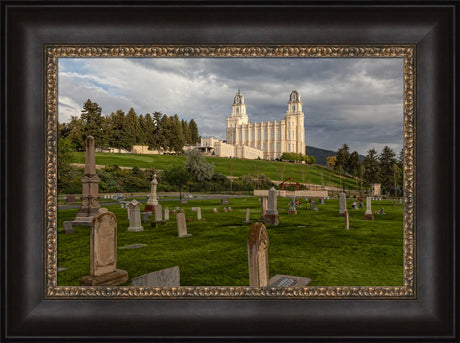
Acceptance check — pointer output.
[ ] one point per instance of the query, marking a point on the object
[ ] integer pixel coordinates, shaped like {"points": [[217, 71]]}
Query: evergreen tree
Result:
{"points": [[131, 127], [354, 164], [371, 165], [343, 157], [149, 131], [186, 132], [141, 136], [386, 161], [176, 135], [194, 138], [118, 136], [91, 116]]}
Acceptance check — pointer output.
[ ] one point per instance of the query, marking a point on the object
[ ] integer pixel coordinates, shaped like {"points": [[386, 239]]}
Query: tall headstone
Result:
{"points": [[134, 216], [342, 203], [248, 215], [90, 186], [152, 202], [258, 255], [368, 215], [166, 214], [198, 212], [347, 220], [292, 209], [158, 213], [271, 216], [103, 255], [182, 226], [313, 206], [263, 206]]}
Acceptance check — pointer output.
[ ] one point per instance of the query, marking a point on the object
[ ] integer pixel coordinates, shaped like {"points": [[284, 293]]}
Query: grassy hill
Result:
{"points": [[229, 167]]}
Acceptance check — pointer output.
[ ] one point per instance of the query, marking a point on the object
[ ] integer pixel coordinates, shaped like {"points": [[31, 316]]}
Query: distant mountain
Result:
{"points": [[320, 155]]}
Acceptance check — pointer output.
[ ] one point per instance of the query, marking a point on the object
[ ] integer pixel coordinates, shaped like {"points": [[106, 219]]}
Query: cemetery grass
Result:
{"points": [[310, 244], [228, 166]]}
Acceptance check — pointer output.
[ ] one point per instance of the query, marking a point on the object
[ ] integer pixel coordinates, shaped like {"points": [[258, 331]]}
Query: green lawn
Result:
{"points": [[311, 244], [227, 166]]}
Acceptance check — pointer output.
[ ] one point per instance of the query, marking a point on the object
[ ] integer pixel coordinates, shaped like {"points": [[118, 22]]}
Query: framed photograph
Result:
{"points": [[407, 290]]}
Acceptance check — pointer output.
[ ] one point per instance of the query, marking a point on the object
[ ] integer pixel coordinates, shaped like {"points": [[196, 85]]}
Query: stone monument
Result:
{"points": [[368, 215], [103, 245], [166, 213], [182, 226], [152, 202], [134, 216], [271, 215], [263, 206], [158, 213], [342, 203], [248, 215], [90, 188], [198, 212], [292, 209], [313, 206], [347, 221], [258, 255]]}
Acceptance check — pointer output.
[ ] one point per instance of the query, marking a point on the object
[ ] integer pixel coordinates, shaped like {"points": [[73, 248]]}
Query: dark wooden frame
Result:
{"points": [[26, 27]]}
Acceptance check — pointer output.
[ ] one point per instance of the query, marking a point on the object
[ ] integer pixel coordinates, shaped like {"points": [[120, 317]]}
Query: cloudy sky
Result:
{"points": [[358, 101]]}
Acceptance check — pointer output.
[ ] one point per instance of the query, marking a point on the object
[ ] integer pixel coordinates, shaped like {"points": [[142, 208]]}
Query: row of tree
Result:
{"points": [[384, 168], [297, 157], [122, 131]]}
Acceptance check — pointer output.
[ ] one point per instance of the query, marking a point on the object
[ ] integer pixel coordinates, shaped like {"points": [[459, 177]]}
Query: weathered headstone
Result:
{"points": [[288, 281], [169, 277], [146, 217], [214, 210], [224, 201], [342, 203], [134, 216], [152, 202], [271, 216], [313, 206], [248, 215], [292, 209], [173, 211], [103, 247], [258, 255], [68, 227], [263, 206], [230, 209], [181, 226], [368, 215], [347, 220], [198, 212], [382, 211], [166, 214], [90, 187], [225, 209], [158, 213]]}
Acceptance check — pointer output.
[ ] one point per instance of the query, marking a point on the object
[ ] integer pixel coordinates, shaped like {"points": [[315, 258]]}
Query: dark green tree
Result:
{"points": [[386, 161], [354, 164], [91, 116], [194, 138], [177, 177], [371, 165], [131, 127], [343, 157]]}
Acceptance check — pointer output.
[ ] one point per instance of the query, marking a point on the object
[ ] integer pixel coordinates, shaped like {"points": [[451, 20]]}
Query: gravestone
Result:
{"points": [[152, 202], [166, 213], [258, 255], [173, 211], [224, 201], [230, 209], [292, 209], [321, 201], [225, 209], [158, 213], [198, 212], [368, 214], [271, 216], [183, 201], [214, 210], [181, 210], [146, 217], [133, 246], [169, 277], [347, 221], [181, 226], [280, 280], [313, 206], [134, 216], [103, 247], [342, 203], [382, 211], [263, 206], [68, 227], [70, 198], [248, 215], [90, 187], [354, 206]]}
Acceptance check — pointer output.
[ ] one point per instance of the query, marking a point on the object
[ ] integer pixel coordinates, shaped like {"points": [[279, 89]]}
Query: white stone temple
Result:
{"points": [[265, 140]]}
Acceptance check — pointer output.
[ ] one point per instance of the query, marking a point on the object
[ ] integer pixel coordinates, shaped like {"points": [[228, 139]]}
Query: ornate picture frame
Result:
{"points": [[35, 308]]}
